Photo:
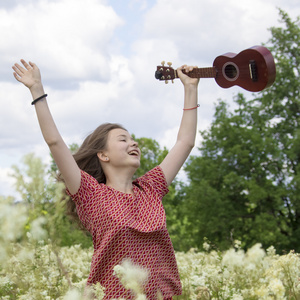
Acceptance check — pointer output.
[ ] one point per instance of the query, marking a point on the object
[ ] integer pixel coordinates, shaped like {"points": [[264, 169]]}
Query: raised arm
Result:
{"points": [[187, 130], [29, 75]]}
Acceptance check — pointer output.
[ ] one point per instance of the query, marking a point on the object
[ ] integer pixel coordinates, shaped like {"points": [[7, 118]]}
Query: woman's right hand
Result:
{"points": [[28, 74]]}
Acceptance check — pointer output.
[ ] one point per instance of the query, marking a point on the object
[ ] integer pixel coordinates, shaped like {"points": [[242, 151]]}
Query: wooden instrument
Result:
{"points": [[252, 69]]}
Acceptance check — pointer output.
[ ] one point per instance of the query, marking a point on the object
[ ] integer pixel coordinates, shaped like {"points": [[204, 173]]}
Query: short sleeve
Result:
{"points": [[87, 189], [156, 178]]}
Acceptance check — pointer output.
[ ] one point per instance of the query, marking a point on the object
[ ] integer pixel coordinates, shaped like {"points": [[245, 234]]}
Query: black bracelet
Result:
{"points": [[39, 98]]}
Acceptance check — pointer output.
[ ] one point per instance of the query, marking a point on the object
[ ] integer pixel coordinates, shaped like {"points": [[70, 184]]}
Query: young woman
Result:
{"points": [[125, 218]]}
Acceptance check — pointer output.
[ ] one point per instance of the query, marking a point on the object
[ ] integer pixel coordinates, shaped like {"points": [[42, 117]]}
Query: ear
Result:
{"points": [[102, 156]]}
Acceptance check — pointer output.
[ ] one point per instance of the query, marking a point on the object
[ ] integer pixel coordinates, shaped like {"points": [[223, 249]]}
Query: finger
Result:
{"points": [[190, 68], [25, 64], [186, 68], [179, 69], [33, 65], [16, 76], [19, 69]]}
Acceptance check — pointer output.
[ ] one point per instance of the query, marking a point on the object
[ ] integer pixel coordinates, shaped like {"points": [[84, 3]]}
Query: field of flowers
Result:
{"points": [[38, 269], [34, 267]]}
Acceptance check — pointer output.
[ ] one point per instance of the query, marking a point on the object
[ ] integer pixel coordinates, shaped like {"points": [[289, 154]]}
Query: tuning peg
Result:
{"points": [[169, 64], [163, 63], [166, 82]]}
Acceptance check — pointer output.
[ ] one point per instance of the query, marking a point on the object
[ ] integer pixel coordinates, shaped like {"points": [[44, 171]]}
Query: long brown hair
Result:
{"points": [[88, 161]]}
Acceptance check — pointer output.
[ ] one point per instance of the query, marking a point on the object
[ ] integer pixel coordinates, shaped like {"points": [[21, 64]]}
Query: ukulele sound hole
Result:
{"points": [[231, 71]]}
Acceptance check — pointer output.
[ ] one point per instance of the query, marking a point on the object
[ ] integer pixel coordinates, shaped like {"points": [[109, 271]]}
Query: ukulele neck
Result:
{"points": [[201, 73]]}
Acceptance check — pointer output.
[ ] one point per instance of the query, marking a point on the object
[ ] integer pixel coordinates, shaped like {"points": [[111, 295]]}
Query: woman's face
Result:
{"points": [[121, 149]]}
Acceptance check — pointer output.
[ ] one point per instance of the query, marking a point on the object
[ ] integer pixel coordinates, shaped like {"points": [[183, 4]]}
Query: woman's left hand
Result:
{"points": [[185, 79]]}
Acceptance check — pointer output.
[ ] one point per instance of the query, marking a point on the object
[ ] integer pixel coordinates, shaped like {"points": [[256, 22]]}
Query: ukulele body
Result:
{"points": [[252, 69]]}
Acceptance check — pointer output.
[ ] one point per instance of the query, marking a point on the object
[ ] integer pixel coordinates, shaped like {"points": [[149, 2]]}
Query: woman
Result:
{"points": [[125, 218]]}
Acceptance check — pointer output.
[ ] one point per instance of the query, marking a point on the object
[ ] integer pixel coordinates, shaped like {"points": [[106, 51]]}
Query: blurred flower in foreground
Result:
{"points": [[132, 277]]}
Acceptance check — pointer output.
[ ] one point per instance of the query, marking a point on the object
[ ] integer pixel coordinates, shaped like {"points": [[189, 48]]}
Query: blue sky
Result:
{"points": [[98, 57]]}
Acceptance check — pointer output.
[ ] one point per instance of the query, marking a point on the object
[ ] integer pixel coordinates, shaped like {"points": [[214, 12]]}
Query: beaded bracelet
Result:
{"points": [[37, 99], [192, 107]]}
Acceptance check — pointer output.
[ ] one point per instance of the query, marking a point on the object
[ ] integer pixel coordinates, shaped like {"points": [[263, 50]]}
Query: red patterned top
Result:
{"points": [[129, 226]]}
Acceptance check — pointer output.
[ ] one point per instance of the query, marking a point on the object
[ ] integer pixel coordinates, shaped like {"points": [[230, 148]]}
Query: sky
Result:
{"points": [[98, 57]]}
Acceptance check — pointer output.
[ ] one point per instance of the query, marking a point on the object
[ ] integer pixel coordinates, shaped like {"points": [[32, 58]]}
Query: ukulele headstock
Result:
{"points": [[165, 73]]}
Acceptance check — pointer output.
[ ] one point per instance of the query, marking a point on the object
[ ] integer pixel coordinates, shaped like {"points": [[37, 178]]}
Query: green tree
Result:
{"points": [[151, 154], [245, 184]]}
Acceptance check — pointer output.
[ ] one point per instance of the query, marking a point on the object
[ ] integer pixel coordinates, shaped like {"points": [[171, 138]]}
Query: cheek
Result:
{"points": [[118, 150]]}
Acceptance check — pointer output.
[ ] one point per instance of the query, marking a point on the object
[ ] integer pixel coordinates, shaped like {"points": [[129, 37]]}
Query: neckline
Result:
{"points": [[120, 192]]}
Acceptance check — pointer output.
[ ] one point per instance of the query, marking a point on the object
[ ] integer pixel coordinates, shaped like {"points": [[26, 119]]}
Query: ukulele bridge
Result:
{"points": [[253, 70]]}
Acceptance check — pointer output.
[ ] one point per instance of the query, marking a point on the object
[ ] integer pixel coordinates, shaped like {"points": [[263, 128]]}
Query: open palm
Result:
{"points": [[28, 74]]}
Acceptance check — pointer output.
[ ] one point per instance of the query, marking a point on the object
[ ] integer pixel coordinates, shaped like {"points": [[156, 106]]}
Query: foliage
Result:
{"points": [[245, 183], [235, 274], [151, 154], [35, 268], [42, 196]]}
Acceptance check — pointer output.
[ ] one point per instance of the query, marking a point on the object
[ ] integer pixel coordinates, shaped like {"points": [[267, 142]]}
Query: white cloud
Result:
{"points": [[68, 39], [203, 30]]}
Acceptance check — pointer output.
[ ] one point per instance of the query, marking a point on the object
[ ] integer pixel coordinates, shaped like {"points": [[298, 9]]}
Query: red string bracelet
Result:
{"points": [[192, 107]]}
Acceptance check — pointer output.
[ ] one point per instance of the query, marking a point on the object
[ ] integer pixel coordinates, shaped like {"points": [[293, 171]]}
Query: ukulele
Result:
{"points": [[252, 69]]}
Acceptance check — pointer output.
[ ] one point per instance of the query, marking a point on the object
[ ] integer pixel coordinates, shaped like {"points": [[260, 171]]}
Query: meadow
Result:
{"points": [[36, 268]]}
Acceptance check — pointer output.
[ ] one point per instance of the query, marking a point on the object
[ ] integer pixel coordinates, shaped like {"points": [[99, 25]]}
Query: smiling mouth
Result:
{"points": [[134, 153]]}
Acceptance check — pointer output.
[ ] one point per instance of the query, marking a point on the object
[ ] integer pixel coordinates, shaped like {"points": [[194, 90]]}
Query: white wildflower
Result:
{"points": [[255, 254], [12, 219], [98, 291], [73, 295], [141, 297], [237, 297], [206, 246], [197, 280], [271, 251], [262, 292], [277, 288], [233, 258], [132, 277], [237, 244], [37, 232]]}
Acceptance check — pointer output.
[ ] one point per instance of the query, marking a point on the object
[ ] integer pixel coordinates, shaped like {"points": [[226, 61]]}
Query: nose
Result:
{"points": [[135, 143]]}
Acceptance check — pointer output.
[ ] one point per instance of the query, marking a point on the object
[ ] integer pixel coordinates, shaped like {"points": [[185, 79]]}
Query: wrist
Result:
{"points": [[37, 90], [191, 87]]}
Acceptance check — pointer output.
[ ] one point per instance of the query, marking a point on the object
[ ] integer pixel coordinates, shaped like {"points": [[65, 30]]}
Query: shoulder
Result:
{"points": [[155, 174], [155, 178], [89, 188]]}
